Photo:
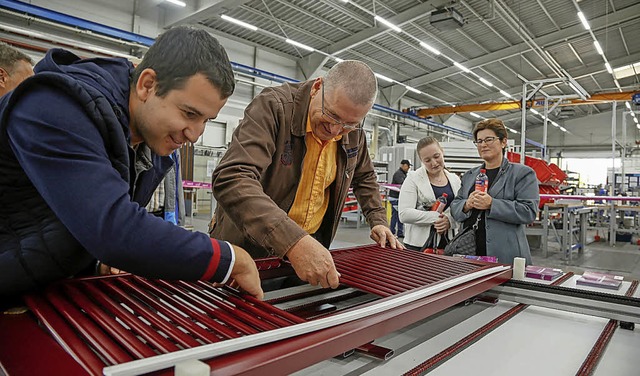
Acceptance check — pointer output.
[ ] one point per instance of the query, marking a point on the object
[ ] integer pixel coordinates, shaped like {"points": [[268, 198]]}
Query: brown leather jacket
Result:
{"points": [[256, 181]]}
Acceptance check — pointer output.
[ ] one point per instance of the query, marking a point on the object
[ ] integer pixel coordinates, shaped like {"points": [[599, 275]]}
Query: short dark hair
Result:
{"points": [[182, 52], [9, 56], [496, 125]]}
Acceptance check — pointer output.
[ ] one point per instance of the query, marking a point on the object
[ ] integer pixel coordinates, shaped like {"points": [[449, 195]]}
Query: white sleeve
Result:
{"points": [[407, 203]]}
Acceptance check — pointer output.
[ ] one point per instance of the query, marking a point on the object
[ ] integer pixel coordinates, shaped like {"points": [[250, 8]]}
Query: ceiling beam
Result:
{"points": [[310, 65], [515, 105], [626, 14], [243, 41], [365, 35], [215, 8], [391, 95], [576, 73]]}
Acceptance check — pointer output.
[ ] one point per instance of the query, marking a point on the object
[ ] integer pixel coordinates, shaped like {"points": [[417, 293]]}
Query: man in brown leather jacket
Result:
{"points": [[283, 182], [15, 67]]}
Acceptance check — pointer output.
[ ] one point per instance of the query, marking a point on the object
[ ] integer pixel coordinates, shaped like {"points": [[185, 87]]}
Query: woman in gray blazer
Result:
{"points": [[507, 207]]}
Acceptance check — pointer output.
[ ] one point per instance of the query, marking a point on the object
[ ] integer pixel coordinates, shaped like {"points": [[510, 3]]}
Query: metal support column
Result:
{"points": [[612, 212], [523, 129], [623, 155], [545, 231], [612, 223], [566, 234], [545, 154]]}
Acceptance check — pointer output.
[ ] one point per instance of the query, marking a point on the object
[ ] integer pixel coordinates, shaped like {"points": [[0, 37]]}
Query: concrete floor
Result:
{"points": [[622, 259]]}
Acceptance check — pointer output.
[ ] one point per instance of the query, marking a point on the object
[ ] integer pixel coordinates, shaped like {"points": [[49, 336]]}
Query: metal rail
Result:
{"points": [[593, 358], [597, 304], [448, 353]]}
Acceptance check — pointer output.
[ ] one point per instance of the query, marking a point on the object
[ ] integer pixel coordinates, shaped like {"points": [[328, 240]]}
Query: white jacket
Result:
{"points": [[416, 191]]}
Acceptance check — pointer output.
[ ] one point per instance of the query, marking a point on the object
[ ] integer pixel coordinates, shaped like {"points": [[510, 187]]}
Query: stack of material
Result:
{"points": [[125, 320]]}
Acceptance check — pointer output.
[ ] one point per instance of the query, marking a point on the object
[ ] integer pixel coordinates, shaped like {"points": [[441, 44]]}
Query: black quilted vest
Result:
{"points": [[29, 230]]}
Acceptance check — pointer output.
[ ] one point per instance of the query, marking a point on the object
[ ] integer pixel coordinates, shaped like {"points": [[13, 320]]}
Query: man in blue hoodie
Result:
{"points": [[83, 146]]}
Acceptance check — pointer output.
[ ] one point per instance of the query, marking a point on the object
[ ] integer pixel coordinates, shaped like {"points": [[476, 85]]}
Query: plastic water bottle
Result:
{"points": [[482, 181], [440, 203]]}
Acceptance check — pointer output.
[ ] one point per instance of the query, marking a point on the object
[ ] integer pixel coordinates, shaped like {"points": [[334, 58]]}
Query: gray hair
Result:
{"points": [[356, 79], [9, 56]]}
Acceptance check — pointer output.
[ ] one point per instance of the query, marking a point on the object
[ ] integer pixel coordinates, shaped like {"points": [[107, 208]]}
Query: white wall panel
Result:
{"points": [[459, 122], [114, 13]]}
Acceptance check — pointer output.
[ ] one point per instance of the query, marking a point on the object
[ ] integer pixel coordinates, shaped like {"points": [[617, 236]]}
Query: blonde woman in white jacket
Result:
{"points": [[419, 192]]}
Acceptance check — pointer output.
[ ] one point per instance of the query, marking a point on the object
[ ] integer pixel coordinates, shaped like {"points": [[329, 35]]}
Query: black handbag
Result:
{"points": [[435, 243], [464, 243], [429, 246]]}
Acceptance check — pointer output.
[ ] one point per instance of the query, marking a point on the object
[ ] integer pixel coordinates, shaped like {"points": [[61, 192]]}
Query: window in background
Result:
{"points": [[593, 171]]}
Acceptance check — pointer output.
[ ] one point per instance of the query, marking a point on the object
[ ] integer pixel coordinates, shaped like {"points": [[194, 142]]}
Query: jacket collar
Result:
{"points": [[301, 107], [497, 185]]}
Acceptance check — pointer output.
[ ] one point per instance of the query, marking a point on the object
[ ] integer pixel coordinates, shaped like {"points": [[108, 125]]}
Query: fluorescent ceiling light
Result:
{"points": [[554, 123], [298, 44], [461, 67], [574, 88], [504, 93], [512, 130], [578, 89], [338, 59], [436, 52], [177, 2], [636, 120], [534, 111], [413, 89], [388, 24], [238, 22], [608, 66], [475, 115], [627, 104], [485, 82], [584, 21], [383, 78], [598, 48], [627, 70], [22, 31], [72, 42], [563, 129], [345, 1]]}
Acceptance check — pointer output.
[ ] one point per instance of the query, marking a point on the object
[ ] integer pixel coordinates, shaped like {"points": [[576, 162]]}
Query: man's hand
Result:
{"points": [[381, 234], [104, 269], [245, 273], [442, 224], [313, 263]]}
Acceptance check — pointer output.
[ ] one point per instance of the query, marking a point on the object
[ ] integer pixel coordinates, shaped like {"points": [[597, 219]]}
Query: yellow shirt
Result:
{"points": [[318, 173]]}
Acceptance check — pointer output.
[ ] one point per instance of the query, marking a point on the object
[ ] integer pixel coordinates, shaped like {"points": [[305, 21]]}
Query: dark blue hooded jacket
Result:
{"points": [[68, 191]]}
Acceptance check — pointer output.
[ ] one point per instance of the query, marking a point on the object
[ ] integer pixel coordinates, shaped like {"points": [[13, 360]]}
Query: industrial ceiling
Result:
{"points": [[442, 56]]}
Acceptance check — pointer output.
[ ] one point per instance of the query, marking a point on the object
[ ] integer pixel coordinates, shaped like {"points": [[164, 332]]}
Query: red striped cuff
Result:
{"points": [[221, 262]]}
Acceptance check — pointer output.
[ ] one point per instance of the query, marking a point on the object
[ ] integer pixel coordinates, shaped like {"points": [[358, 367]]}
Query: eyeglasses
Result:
{"points": [[345, 126], [487, 140]]}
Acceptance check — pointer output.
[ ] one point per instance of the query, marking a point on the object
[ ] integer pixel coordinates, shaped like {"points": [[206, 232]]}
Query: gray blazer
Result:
{"points": [[515, 204]]}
